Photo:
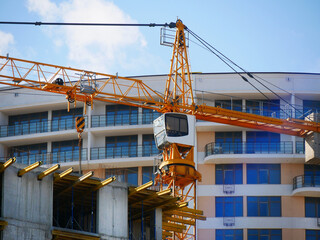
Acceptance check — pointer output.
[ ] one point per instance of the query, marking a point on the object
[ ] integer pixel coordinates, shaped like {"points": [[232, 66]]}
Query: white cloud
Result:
{"points": [[94, 48], [6, 42]]}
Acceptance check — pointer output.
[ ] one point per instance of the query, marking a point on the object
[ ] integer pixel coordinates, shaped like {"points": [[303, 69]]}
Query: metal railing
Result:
{"points": [[37, 127], [51, 158], [123, 119], [306, 181], [123, 152], [285, 147]]}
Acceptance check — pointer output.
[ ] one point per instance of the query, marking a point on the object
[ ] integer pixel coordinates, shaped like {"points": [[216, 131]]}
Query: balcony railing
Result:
{"points": [[123, 152], [285, 147], [306, 181], [123, 119], [51, 158], [37, 127]]}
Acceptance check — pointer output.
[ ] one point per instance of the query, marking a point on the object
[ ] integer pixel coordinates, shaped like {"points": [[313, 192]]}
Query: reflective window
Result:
{"points": [[263, 142], [229, 104], [148, 115], [312, 234], [121, 115], [264, 234], [311, 175], [229, 207], [228, 142], [312, 207], [127, 175], [28, 123], [263, 174], [269, 108], [121, 146], [148, 145], [264, 206], [228, 174], [176, 125], [65, 151], [147, 174], [310, 106], [229, 234], [28, 154], [62, 119]]}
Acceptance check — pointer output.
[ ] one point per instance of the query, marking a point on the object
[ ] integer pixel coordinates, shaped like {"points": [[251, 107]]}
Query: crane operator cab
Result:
{"points": [[174, 128]]}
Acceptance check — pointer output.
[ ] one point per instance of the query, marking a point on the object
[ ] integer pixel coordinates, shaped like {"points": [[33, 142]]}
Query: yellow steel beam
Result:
{"points": [[166, 234], [174, 225], [63, 174], [169, 228], [72, 235], [48, 171], [29, 168], [3, 224], [80, 179], [152, 196], [104, 183], [190, 210], [179, 220], [140, 188], [7, 164], [184, 214]]}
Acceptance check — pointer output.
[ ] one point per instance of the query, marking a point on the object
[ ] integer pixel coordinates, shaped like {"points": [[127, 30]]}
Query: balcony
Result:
{"points": [[224, 152], [123, 119], [308, 186], [37, 127], [124, 152], [51, 158]]}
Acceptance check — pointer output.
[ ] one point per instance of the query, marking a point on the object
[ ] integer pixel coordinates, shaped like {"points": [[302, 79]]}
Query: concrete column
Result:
{"points": [[3, 119], [158, 223], [27, 205], [139, 116], [244, 141], [243, 105], [139, 145], [112, 219]]}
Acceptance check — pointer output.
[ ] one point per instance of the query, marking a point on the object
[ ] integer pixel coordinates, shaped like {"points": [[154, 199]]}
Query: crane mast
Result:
{"points": [[177, 169]]}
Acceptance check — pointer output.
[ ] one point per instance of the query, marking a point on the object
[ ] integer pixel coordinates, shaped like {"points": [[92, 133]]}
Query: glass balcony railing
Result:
{"points": [[37, 127], [285, 147], [123, 152], [51, 158], [306, 181]]}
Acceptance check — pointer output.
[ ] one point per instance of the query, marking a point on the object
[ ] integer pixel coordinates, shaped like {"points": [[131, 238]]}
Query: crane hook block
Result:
{"points": [[80, 124]]}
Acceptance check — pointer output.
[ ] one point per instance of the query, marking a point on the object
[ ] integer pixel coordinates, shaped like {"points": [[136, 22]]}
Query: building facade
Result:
{"points": [[255, 185]]}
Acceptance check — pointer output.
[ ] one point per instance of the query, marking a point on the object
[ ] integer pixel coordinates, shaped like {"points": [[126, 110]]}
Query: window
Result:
{"points": [[65, 151], [312, 234], [229, 104], [229, 207], [147, 174], [28, 123], [228, 142], [264, 234], [229, 234], [148, 115], [310, 106], [263, 142], [62, 119], [121, 146], [311, 175], [28, 154], [121, 115], [149, 147], [176, 125], [264, 206], [228, 173], [269, 108], [127, 175], [312, 207], [263, 174]]}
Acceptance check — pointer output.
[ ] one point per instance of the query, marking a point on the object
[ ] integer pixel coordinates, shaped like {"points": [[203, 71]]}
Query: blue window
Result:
{"points": [[229, 234], [264, 206], [121, 115], [148, 115], [62, 119], [312, 234], [127, 175], [263, 142], [229, 207], [310, 106], [65, 151], [29, 154], [229, 174], [311, 175], [121, 146], [228, 142], [264, 107], [263, 174], [312, 207], [228, 104], [264, 234], [149, 147], [147, 174]]}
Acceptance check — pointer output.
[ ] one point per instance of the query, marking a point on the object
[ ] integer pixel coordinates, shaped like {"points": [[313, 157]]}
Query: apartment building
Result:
{"points": [[255, 185]]}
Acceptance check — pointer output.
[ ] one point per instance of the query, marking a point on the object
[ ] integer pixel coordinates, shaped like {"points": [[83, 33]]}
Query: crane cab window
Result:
{"points": [[176, 125]]}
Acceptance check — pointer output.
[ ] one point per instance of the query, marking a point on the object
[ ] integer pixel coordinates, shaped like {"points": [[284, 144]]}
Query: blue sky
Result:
{"points": [[265, 36]]}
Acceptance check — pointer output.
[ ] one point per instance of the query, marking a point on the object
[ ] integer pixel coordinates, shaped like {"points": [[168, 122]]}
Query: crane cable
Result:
{"points": [[225, 59]]}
